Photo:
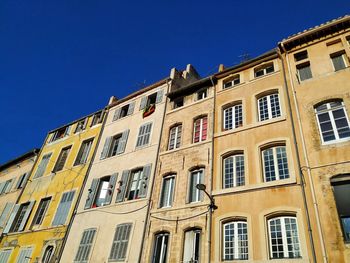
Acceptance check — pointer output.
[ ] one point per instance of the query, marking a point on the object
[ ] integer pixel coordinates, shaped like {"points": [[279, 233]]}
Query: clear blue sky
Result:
{"points": [[60, 60]]}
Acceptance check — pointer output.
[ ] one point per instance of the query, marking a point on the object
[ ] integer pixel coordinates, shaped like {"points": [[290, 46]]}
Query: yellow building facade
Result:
{"points": [[38, 222]]}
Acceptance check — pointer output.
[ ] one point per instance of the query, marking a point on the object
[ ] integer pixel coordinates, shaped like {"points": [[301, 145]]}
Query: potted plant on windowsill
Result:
{"points": [[149, 110]]}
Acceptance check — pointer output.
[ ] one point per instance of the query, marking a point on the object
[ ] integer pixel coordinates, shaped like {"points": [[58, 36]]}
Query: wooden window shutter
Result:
{"points": [[9, 186], [5, 213], [91, 194], [143, 102], [11, 219], [131, 108], [122, 186], [106, 146], [116, 114], [111, 187], [159, 96], [145, 180], [122, 142]]}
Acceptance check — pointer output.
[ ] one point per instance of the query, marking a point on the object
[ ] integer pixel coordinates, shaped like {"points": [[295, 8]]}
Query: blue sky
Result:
{"points": [[60, 60]]}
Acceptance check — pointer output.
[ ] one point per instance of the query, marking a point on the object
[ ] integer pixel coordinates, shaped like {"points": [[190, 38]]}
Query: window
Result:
{"points": [[63, 208], [81, 125], [42, 166], [61, 160], [333, 121], [18, 218], [97, 118], [192, 246], [304, 71], [338, 60], [152, 99], [348, 39], [114, 145], [5, 255], [233, 117], [85, 245], [264, 70], [120, 242], [133, 184], [22, 181], [284, 238], [196, 177], [60, 133], [269, 107], [275, 163], [101, 191], [124, 111], [235, 239], [200, 129], [175, 137], [6, 186], [232, 82], [341, 189], [4, 214], [233, 171], [144, 135], [167, 194], [202, 94], [300, 55], [48, 254], [178, 102], [83, 152], [160, 248], [25, 255], [41, 211]]}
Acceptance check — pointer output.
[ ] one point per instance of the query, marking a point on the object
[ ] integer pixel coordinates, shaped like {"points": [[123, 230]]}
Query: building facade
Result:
{"points": [[38, 222], [178, 226], [317, 66], [110, 220]]}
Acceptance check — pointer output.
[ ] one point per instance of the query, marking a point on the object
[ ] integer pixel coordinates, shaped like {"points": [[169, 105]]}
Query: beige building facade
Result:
{"points": [[317, 65], [178, 224], [261, 213], [109, 223]]}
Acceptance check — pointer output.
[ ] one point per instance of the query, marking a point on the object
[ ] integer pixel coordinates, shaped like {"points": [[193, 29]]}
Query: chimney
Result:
{"points": [[221, 67], [112, 100]]}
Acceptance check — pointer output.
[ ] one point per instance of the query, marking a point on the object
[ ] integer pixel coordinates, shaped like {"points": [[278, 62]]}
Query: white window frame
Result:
{"points": [[275, 162], [237, 255], [284, 236], [169, 196], [200, 179], [329, 110], [264, 69], [190, 236], [164, 247], [342, 55], [269, 108], [233, 118], [232, 81], [200, 129], [175, 136], [234, 174]]}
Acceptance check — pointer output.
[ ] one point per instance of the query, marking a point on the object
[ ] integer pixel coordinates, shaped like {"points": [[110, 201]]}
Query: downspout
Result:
{"points": [[69, 226], [212, 170], [147, 219], [314, 200]]}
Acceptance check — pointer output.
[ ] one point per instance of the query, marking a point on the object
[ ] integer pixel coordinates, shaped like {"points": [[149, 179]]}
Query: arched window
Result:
{"points": [[333, 121], [48, 254], [160, 247], [235, 240], [167, 193], [284, 237], [233, 116], [175, 137], [196, 177], [200, 128], [275, 163], [233, 170], [269, 106]]}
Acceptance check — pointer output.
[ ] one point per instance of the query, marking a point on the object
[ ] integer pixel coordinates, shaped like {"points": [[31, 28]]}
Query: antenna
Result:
{"points": [[244, 57]]}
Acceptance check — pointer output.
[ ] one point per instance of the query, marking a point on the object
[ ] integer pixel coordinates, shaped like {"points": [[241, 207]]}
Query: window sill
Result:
{"points": [[264, 76], [318, 77], [189, 105], [246, 188], [335, 143], [184, 147]]}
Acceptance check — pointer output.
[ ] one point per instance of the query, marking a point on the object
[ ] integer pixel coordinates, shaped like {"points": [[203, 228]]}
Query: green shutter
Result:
{"points": [[122, 186], [145, 180], [5, 214], [143, 102], [11, 219], [131, 108], [106, 147], [159, 96], [112, 181], [116, 114], [122, 142], [91, 195]]}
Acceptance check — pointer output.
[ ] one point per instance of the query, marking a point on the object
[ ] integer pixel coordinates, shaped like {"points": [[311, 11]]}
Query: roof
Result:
{"points": [[191, 87], [316, 32], [249, 63], [19, 159]]}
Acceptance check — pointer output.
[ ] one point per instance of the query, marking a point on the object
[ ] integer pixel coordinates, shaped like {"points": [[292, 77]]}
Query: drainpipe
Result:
{"points": [[319, 228], [147, 219], [81, 190], [212, 170]]}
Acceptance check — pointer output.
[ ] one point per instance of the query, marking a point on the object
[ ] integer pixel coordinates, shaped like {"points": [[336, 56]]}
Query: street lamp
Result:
{"points": [[212, 205]]}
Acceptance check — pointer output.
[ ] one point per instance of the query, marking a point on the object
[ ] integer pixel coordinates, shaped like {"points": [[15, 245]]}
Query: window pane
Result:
{"points": [[282, 162], [270, 174], [228, 118], [275, 106], [235, 241], [305, 72], [263, 109], [338, 62]]}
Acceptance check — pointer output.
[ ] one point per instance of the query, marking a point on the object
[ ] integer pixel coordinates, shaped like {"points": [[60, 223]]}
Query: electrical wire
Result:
{"points": [[181, 219]]}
